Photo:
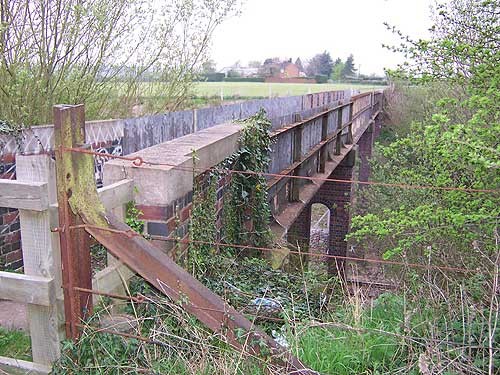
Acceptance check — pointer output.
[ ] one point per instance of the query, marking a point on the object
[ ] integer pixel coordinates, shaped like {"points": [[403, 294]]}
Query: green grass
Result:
{"points": [[259, 89], [360, 348], [15, 344]]}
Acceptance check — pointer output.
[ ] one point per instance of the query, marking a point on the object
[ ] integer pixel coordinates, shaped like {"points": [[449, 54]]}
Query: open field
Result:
{"points": [[260, 89]]}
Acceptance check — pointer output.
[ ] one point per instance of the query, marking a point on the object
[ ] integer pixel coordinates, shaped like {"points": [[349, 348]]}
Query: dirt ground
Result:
{"points": [[13, 316]]}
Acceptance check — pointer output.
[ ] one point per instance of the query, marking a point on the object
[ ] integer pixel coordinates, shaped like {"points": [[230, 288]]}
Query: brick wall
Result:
{"points": [[11, 256], [165, 224]]}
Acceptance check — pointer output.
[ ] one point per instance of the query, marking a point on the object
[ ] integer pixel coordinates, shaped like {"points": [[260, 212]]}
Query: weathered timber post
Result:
{"points": [[72, 192], [41, 257]]}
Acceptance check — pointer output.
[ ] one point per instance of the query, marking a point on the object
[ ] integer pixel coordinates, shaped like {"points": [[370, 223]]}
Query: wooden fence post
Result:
{"points": [[69, 131], [41, 256]]}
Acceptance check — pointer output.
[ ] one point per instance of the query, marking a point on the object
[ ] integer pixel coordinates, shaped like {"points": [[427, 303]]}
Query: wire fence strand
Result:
{"points": [[139, 162]]}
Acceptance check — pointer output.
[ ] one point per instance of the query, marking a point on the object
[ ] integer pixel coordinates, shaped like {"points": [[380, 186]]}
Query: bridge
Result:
{"points": [[317, 139], [311, 153]]}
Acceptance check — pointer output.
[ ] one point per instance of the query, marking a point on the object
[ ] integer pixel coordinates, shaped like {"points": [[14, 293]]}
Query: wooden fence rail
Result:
{"points": [[40, 287]]}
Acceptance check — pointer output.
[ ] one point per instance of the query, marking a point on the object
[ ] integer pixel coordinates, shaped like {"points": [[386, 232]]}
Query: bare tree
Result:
{"points": [[97, 52]]}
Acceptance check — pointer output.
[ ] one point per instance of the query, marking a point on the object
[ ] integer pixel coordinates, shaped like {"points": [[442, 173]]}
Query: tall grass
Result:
{"points": [[421, 328]]}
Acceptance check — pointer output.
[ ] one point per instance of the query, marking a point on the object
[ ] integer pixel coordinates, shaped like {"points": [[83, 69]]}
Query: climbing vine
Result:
{"points": [[203, 221], [132, 215], [246, 212]]}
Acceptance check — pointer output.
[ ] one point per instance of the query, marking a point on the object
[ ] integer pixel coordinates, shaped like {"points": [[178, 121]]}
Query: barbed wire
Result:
{"points": [[139, 162], [130, 234]]}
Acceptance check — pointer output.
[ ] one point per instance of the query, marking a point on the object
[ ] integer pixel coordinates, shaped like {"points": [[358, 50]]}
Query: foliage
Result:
{"points": [[463, 46], [244, 79], [15, 344], [320, 78], [176, 342], [348, 69], [132, 217], [97, 52], [246, 211], [233, 74], [396, 333], [213, 77], [14, 131], [455, 146], [203, 225], [321, 63], [445, 117], [298, 62], [241, 280], [346, 344], [254, 64], [208, 67], [338, 68]]}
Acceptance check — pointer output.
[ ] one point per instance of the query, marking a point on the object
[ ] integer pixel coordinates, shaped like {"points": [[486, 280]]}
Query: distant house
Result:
{"points": [[274, 68], [289, 70]]}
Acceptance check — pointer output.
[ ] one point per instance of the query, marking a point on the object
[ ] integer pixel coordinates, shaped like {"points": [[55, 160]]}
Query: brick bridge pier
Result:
{"points": [[337, 197]]}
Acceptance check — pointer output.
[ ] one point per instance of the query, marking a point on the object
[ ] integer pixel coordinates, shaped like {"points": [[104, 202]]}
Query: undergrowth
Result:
{"points": [[15, 344]]}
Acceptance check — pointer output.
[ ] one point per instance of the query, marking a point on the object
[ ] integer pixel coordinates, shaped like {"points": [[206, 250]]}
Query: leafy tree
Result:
{"points": [[349, 70], [72, 51], [456, 146], [321, 64], [208, 67], [338, 68]]}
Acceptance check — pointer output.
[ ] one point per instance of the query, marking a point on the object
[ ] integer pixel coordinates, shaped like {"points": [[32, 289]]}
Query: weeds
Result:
{"points": [[15, 344]]}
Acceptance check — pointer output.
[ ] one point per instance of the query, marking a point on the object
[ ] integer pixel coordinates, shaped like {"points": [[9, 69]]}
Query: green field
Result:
{"points": [[259, 89]]}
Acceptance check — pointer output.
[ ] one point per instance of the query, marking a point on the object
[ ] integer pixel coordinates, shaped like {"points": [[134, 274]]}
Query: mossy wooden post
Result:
{"points": [[75, 183]]}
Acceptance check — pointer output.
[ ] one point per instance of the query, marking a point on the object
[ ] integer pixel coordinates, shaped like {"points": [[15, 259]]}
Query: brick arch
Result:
{"points": [[325, 202], [318, 244]]}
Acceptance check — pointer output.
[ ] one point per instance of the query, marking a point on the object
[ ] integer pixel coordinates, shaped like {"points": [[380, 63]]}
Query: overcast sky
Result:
{"points": [[292, 28]]}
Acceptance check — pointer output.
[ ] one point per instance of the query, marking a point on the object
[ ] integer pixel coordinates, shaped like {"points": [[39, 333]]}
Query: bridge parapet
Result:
{"points": [[312, 145]]}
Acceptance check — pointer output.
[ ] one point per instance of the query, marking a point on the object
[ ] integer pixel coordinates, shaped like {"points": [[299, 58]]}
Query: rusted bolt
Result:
{"points": [[138, 162]]}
